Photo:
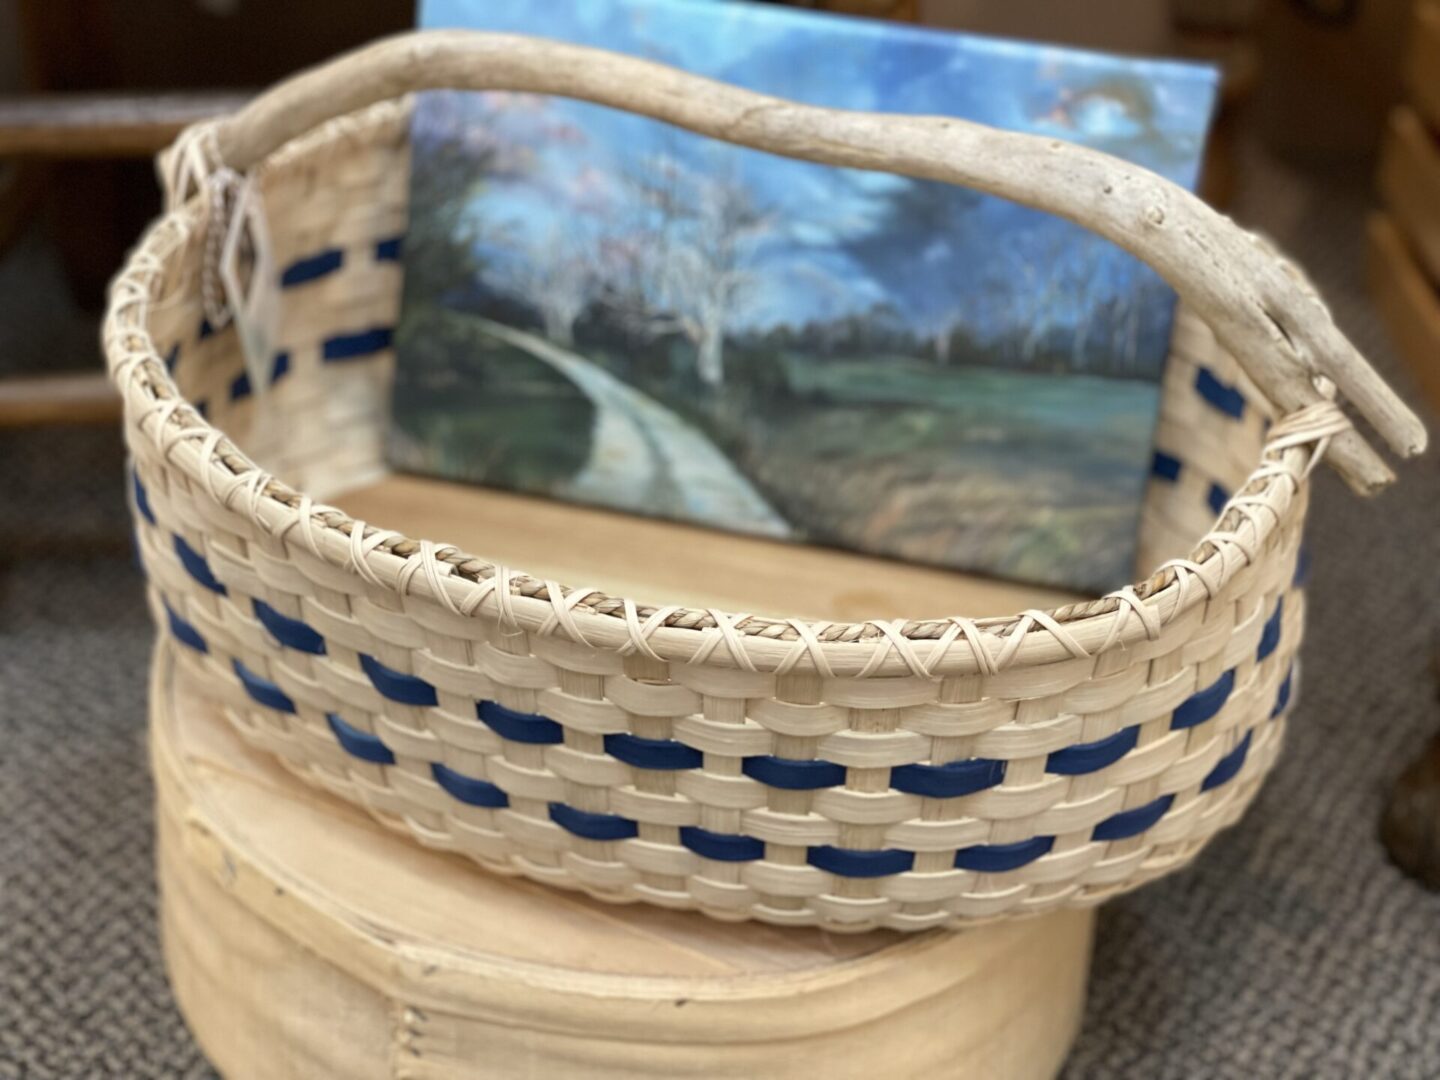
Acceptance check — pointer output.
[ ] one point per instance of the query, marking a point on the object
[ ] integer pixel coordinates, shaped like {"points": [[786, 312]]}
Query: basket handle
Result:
{"points": [[1259, 306]]}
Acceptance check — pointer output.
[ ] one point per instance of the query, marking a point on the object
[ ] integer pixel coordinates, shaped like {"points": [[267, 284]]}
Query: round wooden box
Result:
{"points": [[303, 939]]}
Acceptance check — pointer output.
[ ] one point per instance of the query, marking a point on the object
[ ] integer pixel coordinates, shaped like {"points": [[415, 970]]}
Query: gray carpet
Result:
{"points": [[1291, 949]]}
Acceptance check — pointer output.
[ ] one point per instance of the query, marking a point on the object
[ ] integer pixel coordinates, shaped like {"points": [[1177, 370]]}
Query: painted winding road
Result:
{"points": [[643, 457]]}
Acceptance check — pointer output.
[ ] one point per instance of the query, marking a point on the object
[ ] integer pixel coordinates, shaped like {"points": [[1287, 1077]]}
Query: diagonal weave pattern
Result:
{"points": [[899, 774]]}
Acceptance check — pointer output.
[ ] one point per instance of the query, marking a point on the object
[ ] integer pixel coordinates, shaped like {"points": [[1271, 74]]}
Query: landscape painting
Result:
{"points": [[606, 309]]}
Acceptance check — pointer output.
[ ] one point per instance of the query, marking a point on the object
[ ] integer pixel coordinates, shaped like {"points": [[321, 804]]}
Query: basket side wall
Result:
{"points": [[791, 796]]}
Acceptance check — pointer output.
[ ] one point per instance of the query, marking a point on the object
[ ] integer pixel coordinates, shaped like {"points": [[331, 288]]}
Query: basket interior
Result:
{"points": [[336, 207]]}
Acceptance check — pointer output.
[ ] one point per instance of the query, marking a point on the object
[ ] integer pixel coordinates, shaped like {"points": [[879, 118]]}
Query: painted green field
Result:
{"points": [[481, 411], [1031, 476]]}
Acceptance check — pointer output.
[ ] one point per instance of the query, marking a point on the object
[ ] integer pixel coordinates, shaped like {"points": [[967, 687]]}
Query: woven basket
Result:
{"points": [[902, 774]]}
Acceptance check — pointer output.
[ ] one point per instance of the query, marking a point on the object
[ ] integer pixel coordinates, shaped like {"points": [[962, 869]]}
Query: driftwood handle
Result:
{"points": [[1260, 308]]}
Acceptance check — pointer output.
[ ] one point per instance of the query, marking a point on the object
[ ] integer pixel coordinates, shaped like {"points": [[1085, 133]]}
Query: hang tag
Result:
{"points": [[247, 274]]}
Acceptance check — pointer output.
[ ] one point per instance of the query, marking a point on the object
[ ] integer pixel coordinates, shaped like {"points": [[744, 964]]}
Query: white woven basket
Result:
{"points": [[902, 774]]}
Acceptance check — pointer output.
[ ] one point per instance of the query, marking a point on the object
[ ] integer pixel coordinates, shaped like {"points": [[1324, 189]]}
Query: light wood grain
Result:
{"points": [[1408, 302], [1410, 185], [304, 940], [682, 564], [1260, 307]]}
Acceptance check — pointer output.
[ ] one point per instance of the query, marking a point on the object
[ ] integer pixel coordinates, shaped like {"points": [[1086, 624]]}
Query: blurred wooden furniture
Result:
{"points": [[1222, 33], [1404, 267], [1422, 72], [1404, 237], [1410, 185], [903, 10], [79, 125], [1332, 73], [109, 83], [1408, 302], [56, 400], [37, 130]]}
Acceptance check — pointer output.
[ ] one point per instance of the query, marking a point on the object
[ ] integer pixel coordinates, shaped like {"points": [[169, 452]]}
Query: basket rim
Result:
{"points": [[465, 585]]}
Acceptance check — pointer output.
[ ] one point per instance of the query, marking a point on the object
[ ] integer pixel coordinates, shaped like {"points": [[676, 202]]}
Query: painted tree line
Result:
{"points": [[669, 250]]}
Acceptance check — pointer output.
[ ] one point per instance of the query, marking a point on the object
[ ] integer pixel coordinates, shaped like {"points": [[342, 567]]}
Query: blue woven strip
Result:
{"points": [[289, 632], [791, 774], [1092, 756], [652, 753], [350, 346], [1216, 498], [1226, 768], [240, 386], [184, 633], [1270, 635], [1204, 704], [1165, 467], [469, 789], [1216, 393], [202, 409], [360, 744], [280, 367], [263, 691], [1129, 823], [860, 864], [196, 566], [592, 826], [1302, 567], [206, 330], [518, 726], [172, 358], [311, 268], [142, 498], [723, 847], [389, 250], [396, 685], [1282, 697], [948, 781], [997, 858]]}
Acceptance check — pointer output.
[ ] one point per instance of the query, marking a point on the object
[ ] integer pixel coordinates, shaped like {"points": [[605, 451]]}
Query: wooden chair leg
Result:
{"points": [[46, 400]]}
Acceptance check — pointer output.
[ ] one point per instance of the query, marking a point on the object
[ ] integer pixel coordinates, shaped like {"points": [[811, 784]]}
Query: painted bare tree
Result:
{"points": [[558, 274], [832, 299], [1101, 331], [694, 269], [1036, 258], [922, 249], [556, 271], [460, 157]]}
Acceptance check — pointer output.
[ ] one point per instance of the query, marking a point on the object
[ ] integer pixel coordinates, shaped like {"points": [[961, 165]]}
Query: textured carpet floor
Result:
{"points": [[1292, 949]]}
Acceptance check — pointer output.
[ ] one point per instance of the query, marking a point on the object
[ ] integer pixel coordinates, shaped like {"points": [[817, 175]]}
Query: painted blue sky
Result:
{"points": [[1153, 113]]}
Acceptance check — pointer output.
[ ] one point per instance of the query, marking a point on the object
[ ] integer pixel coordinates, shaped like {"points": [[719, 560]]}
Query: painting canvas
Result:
{"points": [[607, 309]]}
